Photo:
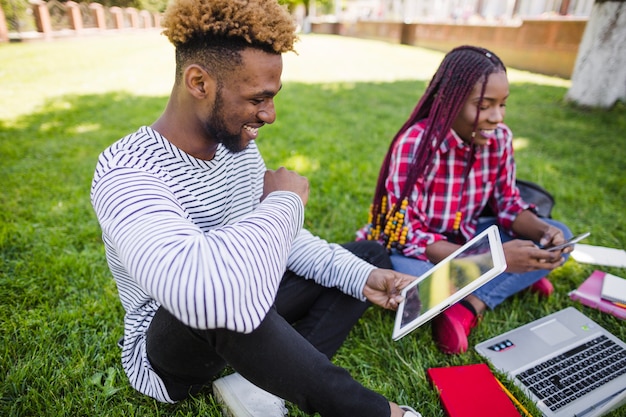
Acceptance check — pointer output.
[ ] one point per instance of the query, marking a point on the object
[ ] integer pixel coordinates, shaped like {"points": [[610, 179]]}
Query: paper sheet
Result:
{"points": [[599, 255]]}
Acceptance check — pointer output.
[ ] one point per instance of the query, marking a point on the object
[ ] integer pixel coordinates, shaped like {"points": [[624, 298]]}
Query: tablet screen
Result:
{"points": [[450, 280]]}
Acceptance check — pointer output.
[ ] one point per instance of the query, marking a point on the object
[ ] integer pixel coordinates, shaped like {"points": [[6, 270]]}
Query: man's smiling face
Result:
{"points": [[245, 100]]}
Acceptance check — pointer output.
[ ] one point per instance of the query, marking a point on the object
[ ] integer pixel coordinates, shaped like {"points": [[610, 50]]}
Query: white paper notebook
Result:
{"points": [[599, 255], [614, 289]]}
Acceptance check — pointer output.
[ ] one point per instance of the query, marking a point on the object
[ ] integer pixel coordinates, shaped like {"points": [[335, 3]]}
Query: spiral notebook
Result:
{"points": [[589, 293]]}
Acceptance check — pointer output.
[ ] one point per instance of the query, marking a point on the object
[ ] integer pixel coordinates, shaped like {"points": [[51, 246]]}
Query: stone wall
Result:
{"points": [[545, 46], [4, 30], [54, 18]]}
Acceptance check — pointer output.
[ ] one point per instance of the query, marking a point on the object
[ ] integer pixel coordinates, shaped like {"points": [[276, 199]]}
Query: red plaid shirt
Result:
{"points": [[434, 200]]}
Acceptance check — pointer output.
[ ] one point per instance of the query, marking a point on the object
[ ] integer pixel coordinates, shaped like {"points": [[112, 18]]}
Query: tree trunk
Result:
{"points": [[599, 77]]}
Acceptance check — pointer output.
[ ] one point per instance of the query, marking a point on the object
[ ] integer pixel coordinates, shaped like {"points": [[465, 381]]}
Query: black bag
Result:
{"points": [[539, 196], [531, 193]]}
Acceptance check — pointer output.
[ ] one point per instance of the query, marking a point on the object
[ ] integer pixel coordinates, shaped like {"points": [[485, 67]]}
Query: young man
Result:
{"points": [[207, 247]]}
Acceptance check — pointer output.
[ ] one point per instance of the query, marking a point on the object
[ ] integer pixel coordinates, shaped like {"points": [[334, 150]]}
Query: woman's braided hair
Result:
{"points": [[441, 103]]}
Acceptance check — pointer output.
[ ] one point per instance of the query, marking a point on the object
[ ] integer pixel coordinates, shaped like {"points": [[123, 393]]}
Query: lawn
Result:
{"points": [[63, 102]]}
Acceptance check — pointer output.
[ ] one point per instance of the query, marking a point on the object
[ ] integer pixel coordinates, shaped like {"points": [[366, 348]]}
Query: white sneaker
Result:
{"points": [[409, 412], [241, 398]]}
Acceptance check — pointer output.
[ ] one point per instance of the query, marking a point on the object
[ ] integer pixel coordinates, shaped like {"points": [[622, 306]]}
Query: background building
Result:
{"points": [[460, 11]]}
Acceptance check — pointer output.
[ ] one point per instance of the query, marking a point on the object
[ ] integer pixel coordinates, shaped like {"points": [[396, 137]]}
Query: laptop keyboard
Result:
{"points": [[564, 378]]}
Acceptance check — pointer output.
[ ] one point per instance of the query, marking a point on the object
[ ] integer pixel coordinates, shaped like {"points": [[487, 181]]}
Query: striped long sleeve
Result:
{"points": [[192, 236]]}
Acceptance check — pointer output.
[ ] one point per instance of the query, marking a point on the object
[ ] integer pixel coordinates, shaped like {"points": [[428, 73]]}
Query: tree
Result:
{"points": [[323, 4], [599, 77], [308, 5]]}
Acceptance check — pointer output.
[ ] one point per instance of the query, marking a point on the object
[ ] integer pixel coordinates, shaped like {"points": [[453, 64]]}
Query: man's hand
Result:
{"points": [[284, 180], [383, 287]]}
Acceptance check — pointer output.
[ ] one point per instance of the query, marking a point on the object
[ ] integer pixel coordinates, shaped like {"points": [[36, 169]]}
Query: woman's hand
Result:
{"points": [[525, 256], [553, 236]]}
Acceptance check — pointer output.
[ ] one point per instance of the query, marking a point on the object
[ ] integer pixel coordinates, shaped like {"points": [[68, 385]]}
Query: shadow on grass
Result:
{"points": [[59, 312]]}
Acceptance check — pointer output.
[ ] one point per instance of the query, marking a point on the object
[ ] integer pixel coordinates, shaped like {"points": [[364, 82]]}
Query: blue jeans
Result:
{"points": [[287, 355], [498, 289]]}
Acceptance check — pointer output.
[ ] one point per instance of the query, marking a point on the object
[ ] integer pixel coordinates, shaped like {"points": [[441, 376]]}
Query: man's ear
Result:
{"points": [[199, 82]]}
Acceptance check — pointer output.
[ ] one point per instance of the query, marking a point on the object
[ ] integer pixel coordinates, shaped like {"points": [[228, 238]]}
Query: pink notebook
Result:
{"points": [[589, 294]]}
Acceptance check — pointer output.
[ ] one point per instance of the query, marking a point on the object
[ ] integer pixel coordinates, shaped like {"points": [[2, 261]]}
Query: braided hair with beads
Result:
{"points": [[441, 103]]}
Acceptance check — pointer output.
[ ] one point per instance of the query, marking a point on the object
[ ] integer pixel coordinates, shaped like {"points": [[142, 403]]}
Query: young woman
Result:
{"points": [[450, 160]]}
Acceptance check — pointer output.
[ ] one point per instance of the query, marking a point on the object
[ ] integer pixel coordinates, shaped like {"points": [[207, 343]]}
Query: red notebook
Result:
{"points": [[589, 294], [471, 391]]}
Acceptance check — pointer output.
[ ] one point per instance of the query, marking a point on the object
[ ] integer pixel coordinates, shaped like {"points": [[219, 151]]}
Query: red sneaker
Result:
{"points": [[451, 328], [542, 287]]}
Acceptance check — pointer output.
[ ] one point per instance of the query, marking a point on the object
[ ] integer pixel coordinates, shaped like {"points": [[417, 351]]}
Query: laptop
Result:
{"points": [[452, 279], [566, 363]]}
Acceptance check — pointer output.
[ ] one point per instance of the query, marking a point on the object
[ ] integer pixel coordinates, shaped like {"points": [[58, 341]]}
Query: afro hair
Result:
{"points": [[263, 24]]}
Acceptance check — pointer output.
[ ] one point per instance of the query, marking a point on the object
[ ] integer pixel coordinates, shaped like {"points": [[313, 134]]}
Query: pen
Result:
{"points": [[512, 397]]}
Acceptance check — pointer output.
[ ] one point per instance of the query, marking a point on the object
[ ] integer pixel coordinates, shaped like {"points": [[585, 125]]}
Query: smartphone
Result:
{"points": [[570, 242]]}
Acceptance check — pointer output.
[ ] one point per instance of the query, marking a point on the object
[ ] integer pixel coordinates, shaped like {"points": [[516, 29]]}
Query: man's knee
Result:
{"points": [[370, 251]]}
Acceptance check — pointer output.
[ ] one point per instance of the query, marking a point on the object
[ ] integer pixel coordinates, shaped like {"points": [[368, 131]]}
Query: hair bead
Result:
{"points": [[394, 231]]}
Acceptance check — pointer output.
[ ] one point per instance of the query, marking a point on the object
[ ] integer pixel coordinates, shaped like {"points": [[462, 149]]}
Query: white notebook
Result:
{"points": [[614, 289]]}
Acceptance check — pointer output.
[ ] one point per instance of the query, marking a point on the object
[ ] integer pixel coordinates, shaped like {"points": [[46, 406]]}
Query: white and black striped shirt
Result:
{"points": [[192, 236]]}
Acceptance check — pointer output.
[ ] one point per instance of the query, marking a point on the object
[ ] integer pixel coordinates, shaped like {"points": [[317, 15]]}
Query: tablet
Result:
{"points": [[465, 270]]}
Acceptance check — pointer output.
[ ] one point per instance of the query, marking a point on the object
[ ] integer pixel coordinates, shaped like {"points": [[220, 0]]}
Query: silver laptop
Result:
{"points": [[566, 363], [472, 265]]}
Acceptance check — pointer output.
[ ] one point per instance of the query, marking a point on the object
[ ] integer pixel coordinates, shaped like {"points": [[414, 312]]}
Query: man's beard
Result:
{"points": [[216, 127]]}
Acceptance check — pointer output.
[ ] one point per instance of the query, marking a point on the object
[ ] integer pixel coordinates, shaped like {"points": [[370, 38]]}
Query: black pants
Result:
{"points": [[287, 355]]}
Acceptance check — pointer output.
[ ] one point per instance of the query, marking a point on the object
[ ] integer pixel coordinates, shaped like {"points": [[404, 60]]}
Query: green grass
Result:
{"points": [[59, 312]]}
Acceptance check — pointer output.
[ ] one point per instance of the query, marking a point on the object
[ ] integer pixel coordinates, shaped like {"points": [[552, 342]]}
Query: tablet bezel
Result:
{"points": [[499, 265]]}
